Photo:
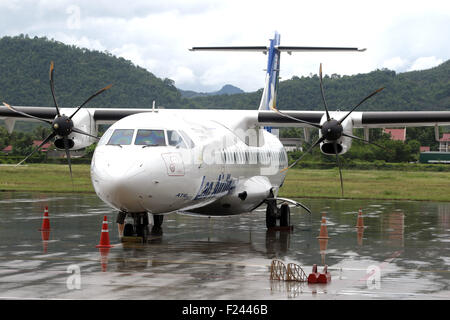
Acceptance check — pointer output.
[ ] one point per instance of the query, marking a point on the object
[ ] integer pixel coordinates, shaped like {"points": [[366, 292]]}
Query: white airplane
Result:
{"points": [[204, 162]]}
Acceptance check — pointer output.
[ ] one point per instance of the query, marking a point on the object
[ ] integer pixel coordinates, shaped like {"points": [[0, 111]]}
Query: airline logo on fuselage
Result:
{"points": [[209, 189]]}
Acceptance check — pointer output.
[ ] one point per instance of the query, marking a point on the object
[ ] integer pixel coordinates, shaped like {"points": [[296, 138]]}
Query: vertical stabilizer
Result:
{"points": [[269, 96]]}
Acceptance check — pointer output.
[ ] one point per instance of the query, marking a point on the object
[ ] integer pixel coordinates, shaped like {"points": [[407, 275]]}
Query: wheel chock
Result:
{"points": [[325, 276], [312, 278]]}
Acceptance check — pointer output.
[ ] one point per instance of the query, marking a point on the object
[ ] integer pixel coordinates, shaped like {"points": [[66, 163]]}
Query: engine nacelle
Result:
{"points": [[84, 121], [343, 143]]}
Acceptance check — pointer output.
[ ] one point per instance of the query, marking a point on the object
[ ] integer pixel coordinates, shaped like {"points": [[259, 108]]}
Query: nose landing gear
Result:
{"points": [[139, 229]]}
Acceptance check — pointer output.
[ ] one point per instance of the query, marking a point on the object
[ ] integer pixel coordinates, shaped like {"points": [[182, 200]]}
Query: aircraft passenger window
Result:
{"points": [[175, 139], [152, 138], [121, 137]]}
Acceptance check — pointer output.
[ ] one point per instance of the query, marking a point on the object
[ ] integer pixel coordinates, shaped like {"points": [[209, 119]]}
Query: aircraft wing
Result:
{"points": [[367, 119], [99, 115]]}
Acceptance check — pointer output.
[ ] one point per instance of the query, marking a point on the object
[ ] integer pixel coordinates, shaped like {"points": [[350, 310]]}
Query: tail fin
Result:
{"points": [[269, 96]]}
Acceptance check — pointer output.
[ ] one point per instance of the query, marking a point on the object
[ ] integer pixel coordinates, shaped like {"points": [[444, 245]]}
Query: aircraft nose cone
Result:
{"points": [[117, 179], [116, 166]]}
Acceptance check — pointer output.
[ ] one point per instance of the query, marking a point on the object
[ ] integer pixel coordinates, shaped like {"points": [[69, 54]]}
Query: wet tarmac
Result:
{"points": [[402, 252]]}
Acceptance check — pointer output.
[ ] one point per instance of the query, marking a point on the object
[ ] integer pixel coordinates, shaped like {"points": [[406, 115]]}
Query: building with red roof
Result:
{"points": [[444, 143], [36, 143], [396, 134]]}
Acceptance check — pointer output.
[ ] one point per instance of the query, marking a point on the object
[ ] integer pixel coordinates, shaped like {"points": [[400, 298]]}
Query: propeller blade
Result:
{"points": [[90, 98], [339, 165], [52, 87], [318, 126], [362, 101], [361, 139], [85, 133], [304, 154], [323, 94], [25, 114], [51, 136], [66, 148]]}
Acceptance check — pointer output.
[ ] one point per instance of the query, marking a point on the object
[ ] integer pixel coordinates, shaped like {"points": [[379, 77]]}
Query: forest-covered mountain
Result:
{"points": [[24, 76], [416, 90], [24, 65]]}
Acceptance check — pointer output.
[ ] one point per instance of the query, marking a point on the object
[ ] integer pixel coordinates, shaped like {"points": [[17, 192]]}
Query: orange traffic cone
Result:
{"points": [[360, 222], [104, 238], [323, 229], [45, 221]]}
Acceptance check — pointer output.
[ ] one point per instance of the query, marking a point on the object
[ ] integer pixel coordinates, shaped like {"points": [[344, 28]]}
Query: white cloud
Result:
{"points": [[156, 34], [183, 76], [425, 63], [395, 63]]}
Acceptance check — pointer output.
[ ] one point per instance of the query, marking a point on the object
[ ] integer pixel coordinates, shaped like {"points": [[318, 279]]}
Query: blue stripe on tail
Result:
{"points": [[269, 97]]}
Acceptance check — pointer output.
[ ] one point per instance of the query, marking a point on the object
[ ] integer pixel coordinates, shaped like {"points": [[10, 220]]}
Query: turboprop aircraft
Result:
{"points": [[204, 162]]}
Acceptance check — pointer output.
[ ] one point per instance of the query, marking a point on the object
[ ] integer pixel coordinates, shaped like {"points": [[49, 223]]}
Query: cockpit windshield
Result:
{"points": [[175, 139], [121, 137], [147, 137], [152, 138]]}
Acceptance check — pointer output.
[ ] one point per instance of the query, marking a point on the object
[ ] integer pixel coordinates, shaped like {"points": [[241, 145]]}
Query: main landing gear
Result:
{"points": [[140, 226], [282, 213], [274, 213]]}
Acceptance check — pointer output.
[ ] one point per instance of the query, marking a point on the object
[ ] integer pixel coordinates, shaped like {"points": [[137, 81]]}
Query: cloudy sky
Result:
{"points": [[156, 34]]}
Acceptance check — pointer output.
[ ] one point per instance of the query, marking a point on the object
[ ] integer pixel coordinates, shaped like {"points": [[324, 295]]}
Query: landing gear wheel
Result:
{"points": [[271, 215], [157, 223], [285, 217]]}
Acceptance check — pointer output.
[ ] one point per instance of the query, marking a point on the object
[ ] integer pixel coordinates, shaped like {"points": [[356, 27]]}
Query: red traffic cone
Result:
{"points": [[360, 222], [323, 229], [104, 238], [45, 221]]}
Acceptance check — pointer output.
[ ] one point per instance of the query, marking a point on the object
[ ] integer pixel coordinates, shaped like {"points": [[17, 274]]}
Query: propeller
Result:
{"points": [[62, 125], [332, 129]]}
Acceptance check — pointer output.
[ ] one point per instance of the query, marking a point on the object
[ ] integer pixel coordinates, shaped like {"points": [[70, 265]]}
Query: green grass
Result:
{"points": [[45, 177], [368, 184], [300, 183]]}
